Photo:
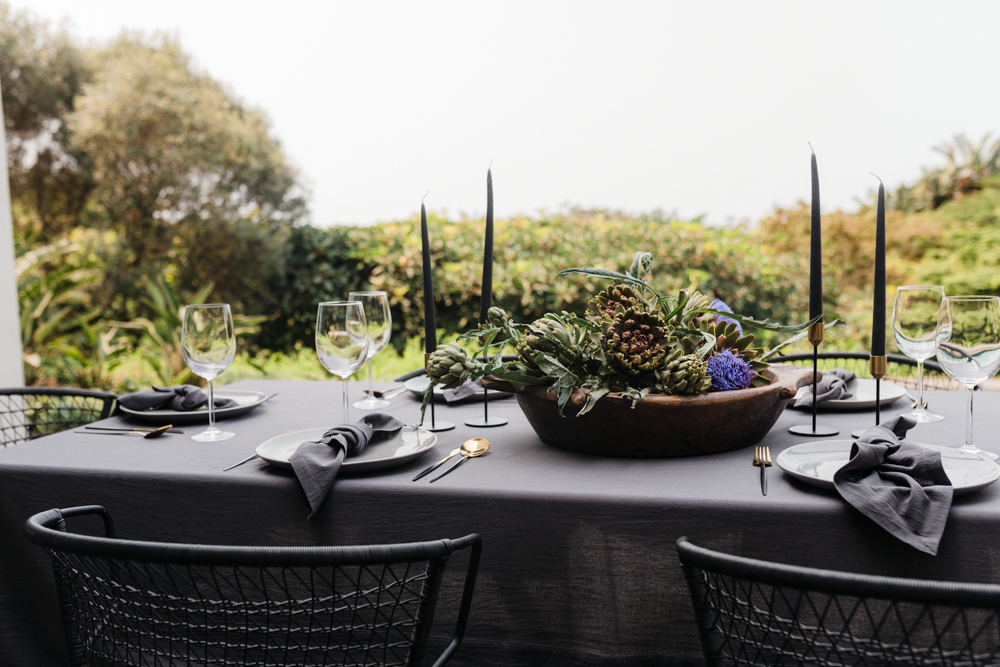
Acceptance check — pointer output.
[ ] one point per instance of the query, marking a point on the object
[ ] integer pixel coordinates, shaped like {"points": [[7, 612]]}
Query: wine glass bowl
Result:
{"points": [[208, 345], [916, 330], [969, 347], [342, 339], [379, 320]]}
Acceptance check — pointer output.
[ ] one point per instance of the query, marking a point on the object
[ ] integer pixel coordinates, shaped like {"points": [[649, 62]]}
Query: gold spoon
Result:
{"points": [[470, 450]]}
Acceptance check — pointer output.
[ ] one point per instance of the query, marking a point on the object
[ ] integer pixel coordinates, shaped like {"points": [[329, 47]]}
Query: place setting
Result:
{"points": [[903, 485], [208, 346]]}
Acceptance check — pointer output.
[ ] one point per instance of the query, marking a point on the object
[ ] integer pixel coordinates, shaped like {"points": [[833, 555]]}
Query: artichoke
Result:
{"points": [[569, 335], [604, 306], [696, 320], [448, 365], [729, 336], [636, 343], [496, 317], [555, 336], [683, 375]]}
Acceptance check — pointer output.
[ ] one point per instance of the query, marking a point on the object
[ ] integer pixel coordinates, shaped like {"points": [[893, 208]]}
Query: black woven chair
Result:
{"points": [[27, 413], [150, 603], [752, 612], [902, 369]]}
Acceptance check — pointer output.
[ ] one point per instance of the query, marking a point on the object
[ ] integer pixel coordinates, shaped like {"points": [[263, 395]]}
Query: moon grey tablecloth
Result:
{"points": [[578, 564]]}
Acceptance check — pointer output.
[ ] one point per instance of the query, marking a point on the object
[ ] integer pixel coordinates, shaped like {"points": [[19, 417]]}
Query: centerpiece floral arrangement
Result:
{"points": [[631, 340]]}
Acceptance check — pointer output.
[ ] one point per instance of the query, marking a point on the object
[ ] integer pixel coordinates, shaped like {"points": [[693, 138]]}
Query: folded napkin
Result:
{"points": [[900, 486], [831, 387], [467, 389], [183, 397], [317, 462]]}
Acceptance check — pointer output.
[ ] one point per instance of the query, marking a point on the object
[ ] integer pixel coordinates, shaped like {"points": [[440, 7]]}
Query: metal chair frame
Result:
{"points": [[127, 602], [902, 369], [753, 612], [27, 413]]}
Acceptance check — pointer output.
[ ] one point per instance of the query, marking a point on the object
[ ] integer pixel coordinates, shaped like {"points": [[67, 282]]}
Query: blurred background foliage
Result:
{"points": [[139, 184]]}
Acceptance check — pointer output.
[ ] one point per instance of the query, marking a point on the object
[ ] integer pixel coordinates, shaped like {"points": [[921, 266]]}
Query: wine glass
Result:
{"points": [[379, 321], [969, 347], [208, 344], [342, 339], [915, 328]]}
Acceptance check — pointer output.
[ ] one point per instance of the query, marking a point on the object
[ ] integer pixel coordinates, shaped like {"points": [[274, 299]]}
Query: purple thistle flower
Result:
{"points": [[719, 304], [729, 371]]}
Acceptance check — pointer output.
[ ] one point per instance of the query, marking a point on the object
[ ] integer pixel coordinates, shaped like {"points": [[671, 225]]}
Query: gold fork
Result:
{"points": [[251, 458], [762, 459]]}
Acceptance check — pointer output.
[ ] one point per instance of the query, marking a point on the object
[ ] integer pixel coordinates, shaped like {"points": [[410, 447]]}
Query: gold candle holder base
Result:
{"points": [[879, 366], [815, 334]]}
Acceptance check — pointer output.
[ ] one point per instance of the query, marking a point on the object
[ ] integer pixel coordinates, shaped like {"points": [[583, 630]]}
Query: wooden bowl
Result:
{"points": [[660, 426]]}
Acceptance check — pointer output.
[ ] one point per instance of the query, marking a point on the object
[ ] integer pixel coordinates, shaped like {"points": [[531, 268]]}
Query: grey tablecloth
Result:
{"points": [[578, 565]]}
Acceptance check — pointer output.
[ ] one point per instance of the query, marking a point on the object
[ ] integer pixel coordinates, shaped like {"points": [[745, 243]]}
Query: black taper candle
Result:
{"points": [[878, 311], [487, 299], [816, 250], [430, 326]]}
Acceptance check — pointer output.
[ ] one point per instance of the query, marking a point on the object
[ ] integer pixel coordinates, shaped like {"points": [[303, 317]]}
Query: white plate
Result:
{"points": [[245, 402], [406, 445], [816, 462], [864, 396], [417, 385]]}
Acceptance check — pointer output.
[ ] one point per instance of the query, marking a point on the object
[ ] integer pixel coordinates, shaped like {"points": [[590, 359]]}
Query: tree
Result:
{"points": [[41, 73], [168, 148]]}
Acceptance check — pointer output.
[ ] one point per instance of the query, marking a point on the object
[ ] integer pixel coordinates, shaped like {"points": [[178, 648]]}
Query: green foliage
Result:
{"points": [[62, 338], [967, 166], [529, 253]]}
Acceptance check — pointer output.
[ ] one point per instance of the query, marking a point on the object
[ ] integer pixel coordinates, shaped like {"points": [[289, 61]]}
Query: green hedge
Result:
{"points": [[325, 264]]}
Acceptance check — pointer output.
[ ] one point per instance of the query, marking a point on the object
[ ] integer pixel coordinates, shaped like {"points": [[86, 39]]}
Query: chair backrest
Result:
{"points": [[902, 369], [752, 612], [27, 413], [127, 602]]}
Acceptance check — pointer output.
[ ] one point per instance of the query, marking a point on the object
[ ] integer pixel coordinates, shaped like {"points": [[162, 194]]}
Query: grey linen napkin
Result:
{"points": [[900, 486], [182, 398], [831, 387], [317, 462]]}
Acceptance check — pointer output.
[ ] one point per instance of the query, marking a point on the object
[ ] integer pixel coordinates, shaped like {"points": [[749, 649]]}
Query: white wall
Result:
{"points": [[11, 366]]}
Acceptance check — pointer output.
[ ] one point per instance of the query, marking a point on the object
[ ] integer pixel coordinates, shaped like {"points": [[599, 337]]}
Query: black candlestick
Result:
{"points": [[815, 302], [487, 298]]}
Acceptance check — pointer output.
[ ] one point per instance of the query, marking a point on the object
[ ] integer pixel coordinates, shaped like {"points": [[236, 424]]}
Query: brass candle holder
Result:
{"points": [[815, 336], [434, 425]]}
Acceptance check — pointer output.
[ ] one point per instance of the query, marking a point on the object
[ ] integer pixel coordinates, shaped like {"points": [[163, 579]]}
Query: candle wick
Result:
{"points": [[425, 196], [489, 165], [811, 147], [876, 176]]}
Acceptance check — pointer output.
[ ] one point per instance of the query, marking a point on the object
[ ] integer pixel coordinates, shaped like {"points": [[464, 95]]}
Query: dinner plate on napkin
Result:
{"points": [[816, 462], [245, 402], [405, 445], [863, 398]]}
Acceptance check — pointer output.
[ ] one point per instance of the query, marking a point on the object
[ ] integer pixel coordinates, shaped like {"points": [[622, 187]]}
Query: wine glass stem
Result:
{"points": [[920, 385], [371, 380], [211, 406], [345, 400], [968, 423]]}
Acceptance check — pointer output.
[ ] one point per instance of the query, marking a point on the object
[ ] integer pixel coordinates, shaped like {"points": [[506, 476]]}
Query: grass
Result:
{"points": [[134, 373]]}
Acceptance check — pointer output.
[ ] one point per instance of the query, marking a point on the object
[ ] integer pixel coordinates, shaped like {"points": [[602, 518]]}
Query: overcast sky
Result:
{"points": [[694, 107]]}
